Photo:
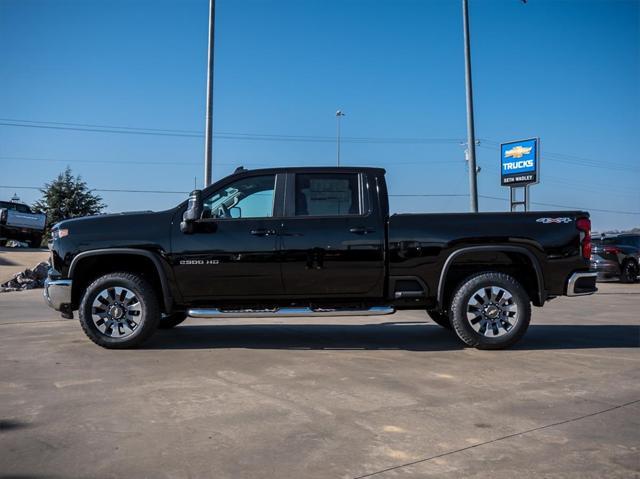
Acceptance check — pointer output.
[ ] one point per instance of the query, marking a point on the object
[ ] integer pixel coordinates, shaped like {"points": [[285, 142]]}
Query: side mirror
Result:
{"points": [[192, 213]]}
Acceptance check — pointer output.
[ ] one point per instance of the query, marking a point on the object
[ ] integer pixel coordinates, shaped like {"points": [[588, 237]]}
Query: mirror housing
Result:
{"points": [[193, 212]]}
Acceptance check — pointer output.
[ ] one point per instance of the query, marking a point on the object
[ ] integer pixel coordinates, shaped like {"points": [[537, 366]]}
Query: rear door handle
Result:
{"points": [[361, 230], [263, 232]]}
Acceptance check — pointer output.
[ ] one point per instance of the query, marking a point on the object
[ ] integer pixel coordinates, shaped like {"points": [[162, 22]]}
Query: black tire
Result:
{"points": [[513, 299], [36, 241], [146, 302], [629, 272], [168, 321], [441, 319]]}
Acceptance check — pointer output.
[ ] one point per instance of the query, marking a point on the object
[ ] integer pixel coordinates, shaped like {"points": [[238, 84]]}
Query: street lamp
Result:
{"points": [[471, 134], [339, 115], [208, 134]]}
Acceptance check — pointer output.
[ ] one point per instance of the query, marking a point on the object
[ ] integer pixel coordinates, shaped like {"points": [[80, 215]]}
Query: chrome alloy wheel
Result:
{"points": [[492, 312], [116, 312]]}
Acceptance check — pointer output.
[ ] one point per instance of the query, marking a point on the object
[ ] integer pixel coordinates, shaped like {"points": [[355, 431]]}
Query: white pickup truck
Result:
{"points": [[18, 222]]}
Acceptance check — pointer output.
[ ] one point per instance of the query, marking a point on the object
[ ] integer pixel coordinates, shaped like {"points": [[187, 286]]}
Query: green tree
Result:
{"points": [[67, 197]]}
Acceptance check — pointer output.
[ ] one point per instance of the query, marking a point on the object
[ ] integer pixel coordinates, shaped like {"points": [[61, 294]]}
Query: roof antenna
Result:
{"points": [[239, 169]]}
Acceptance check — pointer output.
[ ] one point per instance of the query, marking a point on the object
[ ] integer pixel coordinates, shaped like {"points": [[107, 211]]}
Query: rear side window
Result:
{"points": [[327, 194]]}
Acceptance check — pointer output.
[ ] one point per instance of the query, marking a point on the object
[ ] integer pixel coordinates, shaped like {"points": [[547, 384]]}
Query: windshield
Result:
{"points": [[15, 206]]}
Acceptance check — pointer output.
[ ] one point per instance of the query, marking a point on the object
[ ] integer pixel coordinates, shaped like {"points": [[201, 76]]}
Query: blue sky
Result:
{"points": [[566, 71]]}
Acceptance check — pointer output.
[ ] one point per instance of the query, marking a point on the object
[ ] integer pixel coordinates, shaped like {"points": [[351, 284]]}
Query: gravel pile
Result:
{"points": [[27, 279]]}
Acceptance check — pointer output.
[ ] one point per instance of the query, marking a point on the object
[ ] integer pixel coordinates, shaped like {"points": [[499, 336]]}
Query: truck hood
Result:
{"points": [[131, 229]]}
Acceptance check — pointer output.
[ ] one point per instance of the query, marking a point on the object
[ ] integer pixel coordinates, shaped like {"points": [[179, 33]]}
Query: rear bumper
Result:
{"points": [[57, 293], [582, 284], [605, 269], [15, 233]]}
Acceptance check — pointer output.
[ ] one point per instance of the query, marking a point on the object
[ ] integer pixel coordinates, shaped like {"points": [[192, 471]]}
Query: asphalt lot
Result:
{"points": [[395, 396]]}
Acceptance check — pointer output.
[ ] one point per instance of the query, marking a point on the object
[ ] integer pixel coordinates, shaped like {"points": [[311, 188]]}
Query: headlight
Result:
{"points": [[59, 233]]}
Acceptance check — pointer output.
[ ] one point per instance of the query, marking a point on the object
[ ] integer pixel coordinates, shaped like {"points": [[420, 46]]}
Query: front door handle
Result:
{"points": [[263, 232], [361, 230]]}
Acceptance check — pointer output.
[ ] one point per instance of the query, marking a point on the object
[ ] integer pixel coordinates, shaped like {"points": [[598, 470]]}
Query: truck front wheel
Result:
{"points": [[490, 311], [119, 311]]}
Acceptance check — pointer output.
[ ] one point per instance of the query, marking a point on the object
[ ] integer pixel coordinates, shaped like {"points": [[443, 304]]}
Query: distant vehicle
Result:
{"points": [[617, 256], [18, 222], [313, 242]]}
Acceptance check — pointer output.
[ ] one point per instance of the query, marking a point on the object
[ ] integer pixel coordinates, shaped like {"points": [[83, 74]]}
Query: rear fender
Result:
{"points": [[492, 248]]}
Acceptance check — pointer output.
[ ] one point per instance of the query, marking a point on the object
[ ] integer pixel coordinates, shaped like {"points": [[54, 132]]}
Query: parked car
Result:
{"points": [[18, 222], [617, 256], [313, 242]]}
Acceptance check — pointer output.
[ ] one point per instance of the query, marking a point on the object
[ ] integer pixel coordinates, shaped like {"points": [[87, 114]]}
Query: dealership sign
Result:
{"points": [[519, 162]]}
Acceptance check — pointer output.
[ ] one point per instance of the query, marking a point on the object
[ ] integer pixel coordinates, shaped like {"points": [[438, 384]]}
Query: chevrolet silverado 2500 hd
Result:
{"points": [[313, 242]]}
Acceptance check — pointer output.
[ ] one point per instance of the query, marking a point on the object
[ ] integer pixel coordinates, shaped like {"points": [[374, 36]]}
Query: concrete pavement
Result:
{"points": [[395, 396]]}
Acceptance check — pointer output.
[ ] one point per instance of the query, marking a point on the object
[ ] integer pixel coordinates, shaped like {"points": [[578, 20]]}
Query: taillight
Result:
{"points": [[612, 250], [584, 225]]}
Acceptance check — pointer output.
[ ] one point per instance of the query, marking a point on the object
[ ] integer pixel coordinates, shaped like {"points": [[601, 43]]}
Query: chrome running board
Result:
{"points": [[287, 312]]}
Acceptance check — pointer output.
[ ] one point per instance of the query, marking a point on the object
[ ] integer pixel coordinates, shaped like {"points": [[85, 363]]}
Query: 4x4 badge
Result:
{"points": [[547, 221]]}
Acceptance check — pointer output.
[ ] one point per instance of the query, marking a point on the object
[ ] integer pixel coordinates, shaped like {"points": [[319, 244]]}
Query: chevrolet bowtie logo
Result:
{"points": [[517, 152]]}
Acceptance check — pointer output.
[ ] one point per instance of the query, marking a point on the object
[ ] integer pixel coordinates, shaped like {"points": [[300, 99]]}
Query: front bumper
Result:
{"points": [[57, 293], [582, 284]]}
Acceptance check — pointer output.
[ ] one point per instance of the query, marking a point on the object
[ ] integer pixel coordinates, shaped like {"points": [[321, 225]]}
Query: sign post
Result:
{"points": [[519, 168]]}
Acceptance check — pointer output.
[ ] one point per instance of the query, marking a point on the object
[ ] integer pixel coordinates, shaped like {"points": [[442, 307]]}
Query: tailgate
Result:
{"points": [[34, 221]]}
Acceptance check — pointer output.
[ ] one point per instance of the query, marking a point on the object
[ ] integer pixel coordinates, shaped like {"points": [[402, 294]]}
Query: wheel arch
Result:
{"points": [[540, 294], [82, 261]]}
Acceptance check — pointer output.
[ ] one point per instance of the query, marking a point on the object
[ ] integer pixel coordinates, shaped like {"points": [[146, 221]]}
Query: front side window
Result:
{"points": [[327, 194], [246, 198]]}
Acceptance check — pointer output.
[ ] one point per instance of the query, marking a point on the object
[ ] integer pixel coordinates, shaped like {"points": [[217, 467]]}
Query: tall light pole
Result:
{"points": [[339, 115], [208, 134], [471, 135]]}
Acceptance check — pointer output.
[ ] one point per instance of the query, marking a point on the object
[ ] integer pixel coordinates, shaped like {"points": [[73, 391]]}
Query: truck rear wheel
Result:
{"points": [[119, 311], [490, 311], [36, 241], [441, 319]]}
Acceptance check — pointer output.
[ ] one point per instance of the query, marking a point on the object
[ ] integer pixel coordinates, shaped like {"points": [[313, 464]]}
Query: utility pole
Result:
{"points": [[208, 134], [339, 115], [471, 135]]}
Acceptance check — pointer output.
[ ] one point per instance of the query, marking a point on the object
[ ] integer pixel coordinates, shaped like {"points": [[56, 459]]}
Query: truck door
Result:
{"points": [[233, 252], [332, 237]]}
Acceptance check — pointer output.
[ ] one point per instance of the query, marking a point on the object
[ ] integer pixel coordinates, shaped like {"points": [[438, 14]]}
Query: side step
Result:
{"points": [[288, 312]]}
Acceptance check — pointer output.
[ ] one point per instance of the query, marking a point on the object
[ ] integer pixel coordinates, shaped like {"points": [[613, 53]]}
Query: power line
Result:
{"points": [[86, 127], [116, 162], [564, 158], [102, 190], [484, 142], [264, 164], [556, 205]]}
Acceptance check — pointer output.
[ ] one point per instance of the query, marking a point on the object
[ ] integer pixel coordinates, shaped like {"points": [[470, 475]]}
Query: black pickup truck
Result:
{"points": [[313, 242]]}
